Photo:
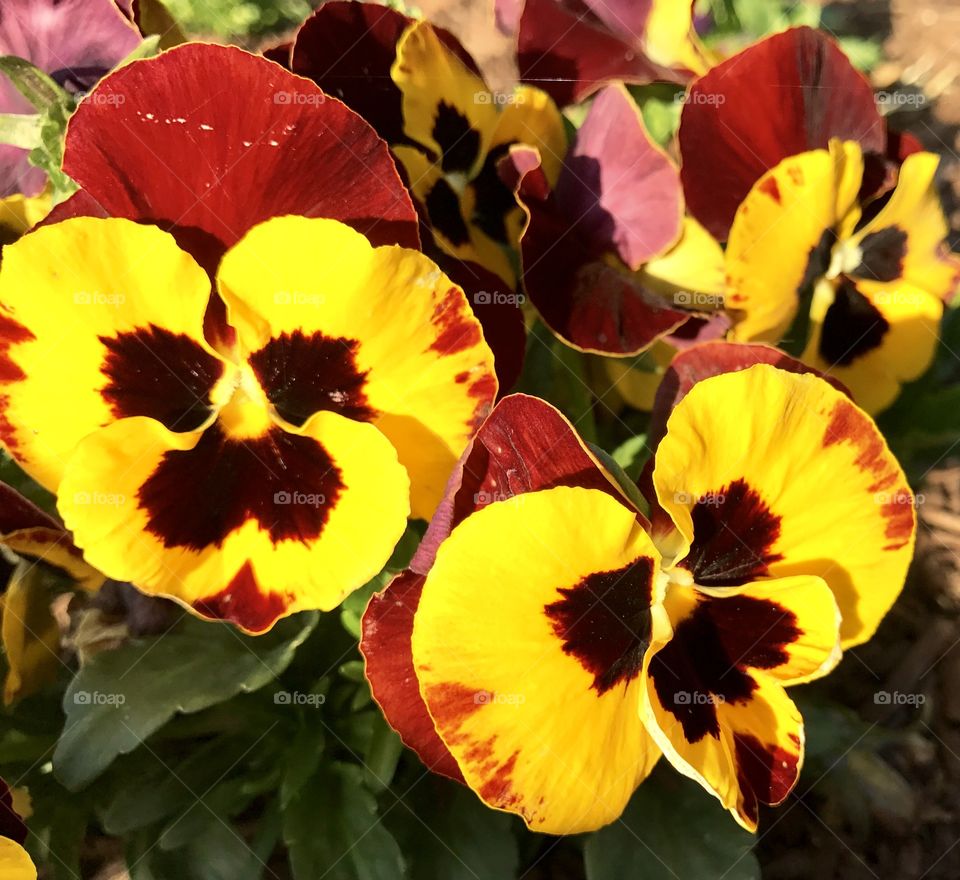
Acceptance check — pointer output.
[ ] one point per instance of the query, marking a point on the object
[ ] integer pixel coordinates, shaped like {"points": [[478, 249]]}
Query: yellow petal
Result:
{"points": [[735, 731], [245, 529], [914, 218], [771, 474], [386, 318], [99, 319], [446, 107], [15, 864], [528, 641], [777, 233], [31, 637]]}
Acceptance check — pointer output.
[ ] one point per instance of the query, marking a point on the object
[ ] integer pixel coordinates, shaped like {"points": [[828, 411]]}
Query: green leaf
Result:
{"points": [[449, 833], [671, 830], [863, 54], [382, 755], [157, 791], [628, 485], [36, 86], [660, 105], [124, 696], [20, 129], [332, 830], [301, 760], [632, 454]]}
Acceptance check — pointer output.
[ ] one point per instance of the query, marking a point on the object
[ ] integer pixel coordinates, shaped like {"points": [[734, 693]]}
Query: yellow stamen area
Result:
{"points": [[244, 408]]}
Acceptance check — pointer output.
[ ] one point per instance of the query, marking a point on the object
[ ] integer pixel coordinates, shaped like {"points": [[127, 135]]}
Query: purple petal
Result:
{"points": [[621, 183]]}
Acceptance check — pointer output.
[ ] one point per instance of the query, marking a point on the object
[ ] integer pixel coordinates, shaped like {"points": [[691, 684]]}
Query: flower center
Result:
{"points": [[244, 410]]}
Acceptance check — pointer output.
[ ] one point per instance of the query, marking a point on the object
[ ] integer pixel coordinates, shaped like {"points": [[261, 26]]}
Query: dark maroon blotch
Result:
{"points": [[852, 326], [883, 253], [459, 142], [196, 497], [443, 209], [159, 374], [604, 622], [707, 660], [733, 535], [302, 374]]}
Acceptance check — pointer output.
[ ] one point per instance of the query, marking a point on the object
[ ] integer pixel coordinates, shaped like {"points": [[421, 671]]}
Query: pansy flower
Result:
{"points": [[862, 301], [249, 481], [560, 643], [570, 48], [461, 132], [74, 41], [608, 258], [787, 94], [835, 235], [15, 864], [446, 127]]}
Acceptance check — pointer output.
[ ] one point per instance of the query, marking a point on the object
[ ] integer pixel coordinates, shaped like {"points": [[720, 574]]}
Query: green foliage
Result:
{"points": [[126, 695], [331, 829], [671, 830], [229, 18]]}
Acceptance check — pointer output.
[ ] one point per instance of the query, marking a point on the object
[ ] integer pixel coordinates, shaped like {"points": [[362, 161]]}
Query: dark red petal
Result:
{"points": [[348, 48], [280, 54], [624, 188], [569, 53], [497, 307], [207, 141], [524, 446], [713, 359], [16, 512], [785, 95], [580, 296], [385, 644]]}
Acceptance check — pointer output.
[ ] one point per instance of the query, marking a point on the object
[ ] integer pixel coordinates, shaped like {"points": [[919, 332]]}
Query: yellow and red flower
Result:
{"points": [[248, 480], [549, 642], [835, 235], [460, 133], [424, 94], [864, 295]]}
